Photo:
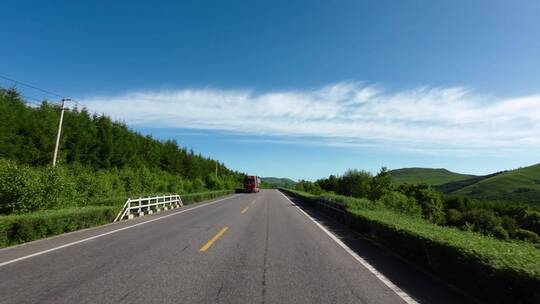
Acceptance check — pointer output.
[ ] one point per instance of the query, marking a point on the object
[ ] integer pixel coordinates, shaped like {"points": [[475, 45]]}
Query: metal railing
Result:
{"points": [[148, 205], [331, 207]]}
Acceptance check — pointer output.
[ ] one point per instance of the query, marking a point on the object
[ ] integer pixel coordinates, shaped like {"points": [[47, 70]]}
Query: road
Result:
{"points": [[247, 248]]}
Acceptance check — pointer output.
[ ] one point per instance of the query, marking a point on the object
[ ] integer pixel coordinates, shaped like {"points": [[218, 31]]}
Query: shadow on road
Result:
{"points": [[419, 284]]}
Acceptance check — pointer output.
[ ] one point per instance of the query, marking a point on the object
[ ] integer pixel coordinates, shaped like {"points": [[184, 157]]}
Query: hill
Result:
{"points": [[430, 176], [521, 185], [456, 185], [275, 182]]}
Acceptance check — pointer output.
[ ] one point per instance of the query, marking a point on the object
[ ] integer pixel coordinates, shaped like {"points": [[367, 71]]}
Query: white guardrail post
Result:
{"points": [[148, 205], [129, 214]]}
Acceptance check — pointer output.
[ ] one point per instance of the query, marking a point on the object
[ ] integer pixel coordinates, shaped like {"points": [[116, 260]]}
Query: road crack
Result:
{"points": [[219, 293]]}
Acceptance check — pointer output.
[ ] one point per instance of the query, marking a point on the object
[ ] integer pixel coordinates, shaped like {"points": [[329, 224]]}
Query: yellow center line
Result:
{"points": [[255, 200], [214, 239], [244, 210]]}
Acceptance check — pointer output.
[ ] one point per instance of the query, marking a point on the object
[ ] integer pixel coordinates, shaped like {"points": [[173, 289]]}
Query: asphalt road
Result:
{"points": [[248, 248]]}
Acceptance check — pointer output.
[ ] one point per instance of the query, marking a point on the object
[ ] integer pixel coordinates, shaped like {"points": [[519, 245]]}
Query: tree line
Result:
{"points": [[96, 147]]}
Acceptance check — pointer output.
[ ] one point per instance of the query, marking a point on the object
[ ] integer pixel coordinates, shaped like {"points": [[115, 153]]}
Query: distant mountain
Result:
{"points": [[278, 182], [430, 176]]}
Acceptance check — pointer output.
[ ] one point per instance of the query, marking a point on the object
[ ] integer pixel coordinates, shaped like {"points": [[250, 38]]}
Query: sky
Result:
{"points": [[298, 89]]}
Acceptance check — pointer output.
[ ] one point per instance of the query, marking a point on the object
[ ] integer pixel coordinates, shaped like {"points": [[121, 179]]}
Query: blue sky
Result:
{"points": [[298, 89]]}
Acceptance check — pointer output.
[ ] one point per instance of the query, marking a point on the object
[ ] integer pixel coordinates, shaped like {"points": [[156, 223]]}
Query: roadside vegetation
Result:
{"points": [[101, 163], [495, 270], [489, 248], [505, 221]]}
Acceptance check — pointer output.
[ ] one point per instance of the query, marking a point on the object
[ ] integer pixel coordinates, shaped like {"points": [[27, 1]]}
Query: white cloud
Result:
{"points": [[345, 114]]}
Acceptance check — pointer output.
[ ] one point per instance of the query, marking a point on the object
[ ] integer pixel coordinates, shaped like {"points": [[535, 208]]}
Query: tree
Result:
{"points": [[355, 183], [96, 142], [401, 203], [484, 221], [308, 186], [329, 184], [380, 185], [430, 200]]}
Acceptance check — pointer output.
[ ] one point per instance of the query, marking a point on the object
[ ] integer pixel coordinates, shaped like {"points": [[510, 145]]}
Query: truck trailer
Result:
{"points": [[251, 183]]}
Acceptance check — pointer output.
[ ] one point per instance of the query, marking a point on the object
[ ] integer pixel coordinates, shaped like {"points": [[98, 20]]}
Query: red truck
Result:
{"points": [[251, 183]]}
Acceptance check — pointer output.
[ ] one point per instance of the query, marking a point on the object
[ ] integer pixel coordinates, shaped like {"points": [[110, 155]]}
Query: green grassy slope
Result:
{"points": [[522, 185], [278, 182], [433, 177], [457, 185]]}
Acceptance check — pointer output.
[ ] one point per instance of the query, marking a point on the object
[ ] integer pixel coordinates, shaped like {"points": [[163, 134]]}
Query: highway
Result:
{"points": [[246, 248]]}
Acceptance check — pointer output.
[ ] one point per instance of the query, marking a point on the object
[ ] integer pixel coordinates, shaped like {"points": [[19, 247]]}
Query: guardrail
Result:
{"points": [[327, 206], [148, 205], [331, 208]]}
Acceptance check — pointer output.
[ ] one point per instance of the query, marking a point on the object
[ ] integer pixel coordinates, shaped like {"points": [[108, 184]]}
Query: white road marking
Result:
{"points": [[403, 295], [109, 232]]}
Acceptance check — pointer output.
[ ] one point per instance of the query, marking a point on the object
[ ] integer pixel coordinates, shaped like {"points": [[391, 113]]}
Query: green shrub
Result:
{"points": [[202, 196], [355, 183], [308, 186], [483, 221], [16, 229], [510, 225], [380, 185], [526, 235], [18, 188], [532, 221], [399, 202], [350, 202], [58, 190], [213, 183], [499, 271], [454, 218], [197, 185], [26, 189], [430, 200], [499, 232]]}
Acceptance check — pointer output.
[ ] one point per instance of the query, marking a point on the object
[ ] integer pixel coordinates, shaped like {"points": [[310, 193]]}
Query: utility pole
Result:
{"points": [[59, 131], [216, 168]]}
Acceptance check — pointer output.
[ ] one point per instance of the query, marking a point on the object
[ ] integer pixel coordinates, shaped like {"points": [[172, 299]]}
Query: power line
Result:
{"points": [[36, 100], [31, 86], [42, 90]]}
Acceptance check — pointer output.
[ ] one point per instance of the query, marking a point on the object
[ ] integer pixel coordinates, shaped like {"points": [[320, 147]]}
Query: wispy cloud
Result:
{"points": [[344, 113]]}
